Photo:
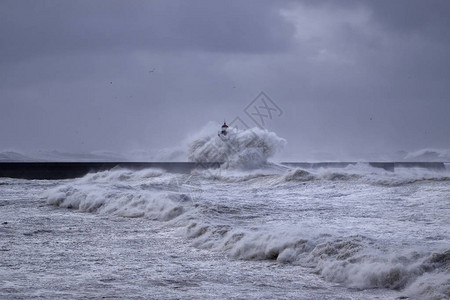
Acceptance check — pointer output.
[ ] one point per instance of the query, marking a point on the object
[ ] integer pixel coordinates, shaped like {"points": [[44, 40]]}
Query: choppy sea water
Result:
{"points": [[351, 233]]}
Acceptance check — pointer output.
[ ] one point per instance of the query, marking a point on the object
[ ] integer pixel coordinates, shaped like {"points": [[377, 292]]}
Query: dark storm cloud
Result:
{"points": [[423, 19], [33, 28], [427, 18], [377, 77], [113, 75]]}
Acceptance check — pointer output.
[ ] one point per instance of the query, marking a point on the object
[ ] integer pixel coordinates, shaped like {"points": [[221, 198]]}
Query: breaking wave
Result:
{"points": [[123, 193], [429, 155], [248, 148], [355, 261], [366, 174]]}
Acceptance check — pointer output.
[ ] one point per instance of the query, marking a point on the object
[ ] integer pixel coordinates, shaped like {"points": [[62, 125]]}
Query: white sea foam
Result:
{"points": [[441, 155], [275, 214], [363, 172], [123, 193], [354, 261], [248, 148]]}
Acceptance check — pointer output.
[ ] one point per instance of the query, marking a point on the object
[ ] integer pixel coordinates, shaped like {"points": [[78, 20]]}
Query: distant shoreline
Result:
{"points": [[68, 170]]}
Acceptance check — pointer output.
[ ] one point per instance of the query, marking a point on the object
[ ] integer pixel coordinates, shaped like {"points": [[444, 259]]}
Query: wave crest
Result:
{"points": [[248, 148], [123, 193], [354, 261]]}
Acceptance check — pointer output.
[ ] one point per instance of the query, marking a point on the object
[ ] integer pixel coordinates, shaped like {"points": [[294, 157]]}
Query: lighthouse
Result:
{"points": [[224, 128]]}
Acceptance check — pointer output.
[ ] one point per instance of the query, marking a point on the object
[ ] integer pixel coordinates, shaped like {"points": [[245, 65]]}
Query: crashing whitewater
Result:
{"points": [[250, 148], [243, 230], [358, 226]]}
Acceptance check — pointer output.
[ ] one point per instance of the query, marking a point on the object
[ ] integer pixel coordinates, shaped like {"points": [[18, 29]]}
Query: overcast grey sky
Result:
{"points": [[350, 76]]}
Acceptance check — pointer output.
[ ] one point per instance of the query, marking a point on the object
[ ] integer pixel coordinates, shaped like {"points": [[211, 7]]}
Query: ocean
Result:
{"points": [[249, 229], [356, 232]]}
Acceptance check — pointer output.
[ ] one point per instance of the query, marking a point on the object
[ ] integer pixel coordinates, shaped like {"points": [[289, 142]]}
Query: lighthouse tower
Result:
{"points": [[224, 128]]}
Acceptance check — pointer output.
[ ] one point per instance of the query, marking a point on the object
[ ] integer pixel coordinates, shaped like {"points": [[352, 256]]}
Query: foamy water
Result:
{"points": [[356, 232], [243, 149], [250, 229]]}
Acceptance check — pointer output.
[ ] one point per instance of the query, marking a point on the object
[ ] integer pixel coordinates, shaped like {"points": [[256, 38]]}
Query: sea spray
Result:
{"points": [[248, 148], [147, 193], [359, 226]]}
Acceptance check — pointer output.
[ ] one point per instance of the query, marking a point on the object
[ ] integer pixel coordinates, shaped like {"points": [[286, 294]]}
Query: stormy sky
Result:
{"points": [[351, 78]]}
